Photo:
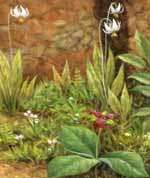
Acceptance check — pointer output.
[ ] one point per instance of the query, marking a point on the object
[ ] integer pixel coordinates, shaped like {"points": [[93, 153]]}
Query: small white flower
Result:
{"points": [[36, 121], [127, 134], [116, 8], [19, 12], [111, 26], [29, 114], [52, 142], [71, 98], [77, 115], [19, 137]]}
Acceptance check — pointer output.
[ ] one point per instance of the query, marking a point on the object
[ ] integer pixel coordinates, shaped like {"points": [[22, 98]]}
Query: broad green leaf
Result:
{"points": [[110, 69], [145, 90], [69, 166], [142, 77], [114, 102], [128, 164], [143, 44], [134, 60], [117, 85], [79, 140], [142, 112], [126, 102]]}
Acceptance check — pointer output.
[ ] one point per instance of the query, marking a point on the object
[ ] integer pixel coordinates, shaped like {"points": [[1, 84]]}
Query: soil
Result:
{"points": [[22, 170]]}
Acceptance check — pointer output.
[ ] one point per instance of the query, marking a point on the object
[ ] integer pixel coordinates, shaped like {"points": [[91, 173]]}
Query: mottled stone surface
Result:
{"points": [[55, 31], [138, 14], [66, 30]]}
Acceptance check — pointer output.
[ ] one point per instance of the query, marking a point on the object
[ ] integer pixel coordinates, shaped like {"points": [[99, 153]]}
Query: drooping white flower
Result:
{"points": [[116, 8], [19, 12], [19, 137], [111, 26]]}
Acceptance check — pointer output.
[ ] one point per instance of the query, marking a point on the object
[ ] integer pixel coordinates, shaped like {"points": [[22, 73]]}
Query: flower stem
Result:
{"points": [[97, 151], [10, 40]]}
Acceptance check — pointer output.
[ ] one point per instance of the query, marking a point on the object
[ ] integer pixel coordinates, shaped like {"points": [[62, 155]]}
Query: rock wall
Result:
{"points": [[59, 30]]}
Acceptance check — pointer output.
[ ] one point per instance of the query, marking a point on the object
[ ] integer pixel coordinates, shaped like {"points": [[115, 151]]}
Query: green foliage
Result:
{"points": [[124, 163], [70, 166], [45, 96], [141, 62], [12, 87], [86, 140], [102, 75], [122, 106], [34, 144], [63, 80]]}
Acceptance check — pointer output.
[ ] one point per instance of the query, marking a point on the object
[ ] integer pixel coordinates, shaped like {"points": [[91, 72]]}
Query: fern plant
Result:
{"points": [[12, 86]]}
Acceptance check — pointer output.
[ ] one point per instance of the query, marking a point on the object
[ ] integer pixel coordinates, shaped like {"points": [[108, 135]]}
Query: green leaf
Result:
{"points": [[143, 44], [69, 166], [110, 69], [134, 60], [145, 90], [142, 112], [141, 77], [117, 85], [79, 140], [128, 164], [114, 102], [66, 78], [126, 102]]}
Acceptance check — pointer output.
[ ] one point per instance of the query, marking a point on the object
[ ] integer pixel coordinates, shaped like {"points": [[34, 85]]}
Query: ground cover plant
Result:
{"points": [[81, 125]]}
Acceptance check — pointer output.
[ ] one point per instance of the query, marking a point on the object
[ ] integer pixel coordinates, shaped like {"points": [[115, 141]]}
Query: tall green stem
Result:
{"points": [[97, 151], [10, 40]]}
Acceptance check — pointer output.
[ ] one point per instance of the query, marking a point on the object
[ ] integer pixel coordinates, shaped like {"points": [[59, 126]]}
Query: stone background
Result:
{"points": [[59, 30]]}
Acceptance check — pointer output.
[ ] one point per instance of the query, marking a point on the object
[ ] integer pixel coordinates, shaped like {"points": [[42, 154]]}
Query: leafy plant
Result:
{"points": [[63, 80], [45, 96], [13, 88], [85, 148], [102, 76], [141, 63]]}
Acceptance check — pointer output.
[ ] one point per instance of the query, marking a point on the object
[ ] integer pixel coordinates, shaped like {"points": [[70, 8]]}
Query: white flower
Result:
{"points": [[36, 121], [19, 137], [111, 26], [147, 136], [127, 134], [116, 8], [52, 142], [71, 98], [19, 12], [29, 114]]}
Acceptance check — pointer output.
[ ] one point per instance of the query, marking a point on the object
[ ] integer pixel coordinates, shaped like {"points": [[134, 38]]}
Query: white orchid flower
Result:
{"points": [[116, 8], [111, 26], [19, 12]]}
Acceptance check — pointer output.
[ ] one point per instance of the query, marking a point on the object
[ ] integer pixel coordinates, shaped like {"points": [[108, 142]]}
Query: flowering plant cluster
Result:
{"points": [[103, 120]]}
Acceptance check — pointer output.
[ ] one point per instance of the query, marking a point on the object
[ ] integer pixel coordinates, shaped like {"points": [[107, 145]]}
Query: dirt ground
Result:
{"points": [[22, 170]]}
